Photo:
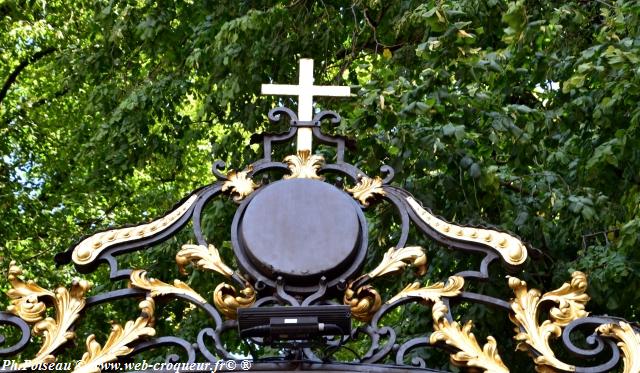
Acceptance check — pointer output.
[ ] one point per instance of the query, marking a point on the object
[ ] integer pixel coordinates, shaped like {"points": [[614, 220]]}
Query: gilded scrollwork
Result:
{"points": [[570, 298], [512, 250], [227, 300], [396, 260], [202, 257], [240, 184], [366, 189], [27, 303], [469, 353], [304, 165], [628, 341], [117, 343], [89, 249], [25, 296], [432, 293], [225, 297], [364, 301], [156, 287]]}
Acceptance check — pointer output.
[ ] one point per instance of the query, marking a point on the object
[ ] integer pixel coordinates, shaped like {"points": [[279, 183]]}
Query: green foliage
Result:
{"points": [[521, 114]]}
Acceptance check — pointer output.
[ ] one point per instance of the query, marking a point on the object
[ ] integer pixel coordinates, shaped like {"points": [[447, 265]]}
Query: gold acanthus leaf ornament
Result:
{"points": [[432, 293], [395, 260], [89, 249], [365, 301], [628, 341], [227, 300], [512, 250], [240, 184], [366, 189], [118, 341], [570, 298], [156, 287], [27, 304], [25, 296], [203, 258], [304, 165], [469, 354]]}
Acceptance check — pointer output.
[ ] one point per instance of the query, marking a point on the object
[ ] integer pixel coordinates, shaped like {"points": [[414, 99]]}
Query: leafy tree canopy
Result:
{"points": [[521, 114]]}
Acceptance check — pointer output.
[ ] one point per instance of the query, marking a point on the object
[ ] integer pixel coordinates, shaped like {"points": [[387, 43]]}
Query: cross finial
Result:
{"points": [[305, 90]]}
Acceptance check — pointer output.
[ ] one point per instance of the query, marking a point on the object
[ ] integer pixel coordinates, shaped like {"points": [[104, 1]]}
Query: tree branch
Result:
{"points": [[14, 75]]}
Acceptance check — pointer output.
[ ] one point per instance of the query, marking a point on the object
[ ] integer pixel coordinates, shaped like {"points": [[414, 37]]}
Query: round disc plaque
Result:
{"points": [[300, 229]]}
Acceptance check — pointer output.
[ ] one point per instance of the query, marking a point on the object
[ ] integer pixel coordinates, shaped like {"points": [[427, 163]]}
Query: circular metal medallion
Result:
{"points": [[300, 229]]}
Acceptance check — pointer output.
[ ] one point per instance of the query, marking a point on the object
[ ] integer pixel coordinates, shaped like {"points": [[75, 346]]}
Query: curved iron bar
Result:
{"points": [[266, 300], [353, 172], [166, 341], [282, 294], [482, 299], [410, 345], [196, 217], [202, 347], [206, 307], [595, 341], [113, 295], [275, 115], [331, 342], [64, 257], [322, 289], [215, 169], [338, 141], [310, 355], [484, 267], [375, 352], [215, 335], [25, 334], [389, 171], [260, 166], [334, 117], [109, 255], [404, 218], [451, 243], [98, 299]]}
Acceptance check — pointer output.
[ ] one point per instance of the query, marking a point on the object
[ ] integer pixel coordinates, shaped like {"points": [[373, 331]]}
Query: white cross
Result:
{"points": [[305, 90]]}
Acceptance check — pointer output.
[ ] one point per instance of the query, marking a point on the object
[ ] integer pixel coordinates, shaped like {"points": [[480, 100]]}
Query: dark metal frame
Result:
{"points": [[275, 292]]}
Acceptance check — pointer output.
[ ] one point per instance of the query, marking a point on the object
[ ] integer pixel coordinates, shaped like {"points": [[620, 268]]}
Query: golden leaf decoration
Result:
{"points": [[396, 260], [89, 249], [55, 332], [156, 287], [240, 184], [304, 165], [469, 353], [118, 341], [366, 189], [203, 258], [629, 343], [512, 250], [25, 296], [364, 302], [570, 299], [227, 300], [431, 293]]}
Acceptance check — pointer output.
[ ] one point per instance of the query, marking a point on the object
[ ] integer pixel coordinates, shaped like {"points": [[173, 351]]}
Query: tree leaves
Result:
{"points": [[520, 114]]}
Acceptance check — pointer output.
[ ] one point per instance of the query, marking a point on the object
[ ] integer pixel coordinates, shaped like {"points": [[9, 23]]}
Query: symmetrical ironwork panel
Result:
{"points": [[283, 264]]}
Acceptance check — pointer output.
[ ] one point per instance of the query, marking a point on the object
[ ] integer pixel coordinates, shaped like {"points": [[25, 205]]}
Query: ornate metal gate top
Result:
{"points": [[300, 244]]}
